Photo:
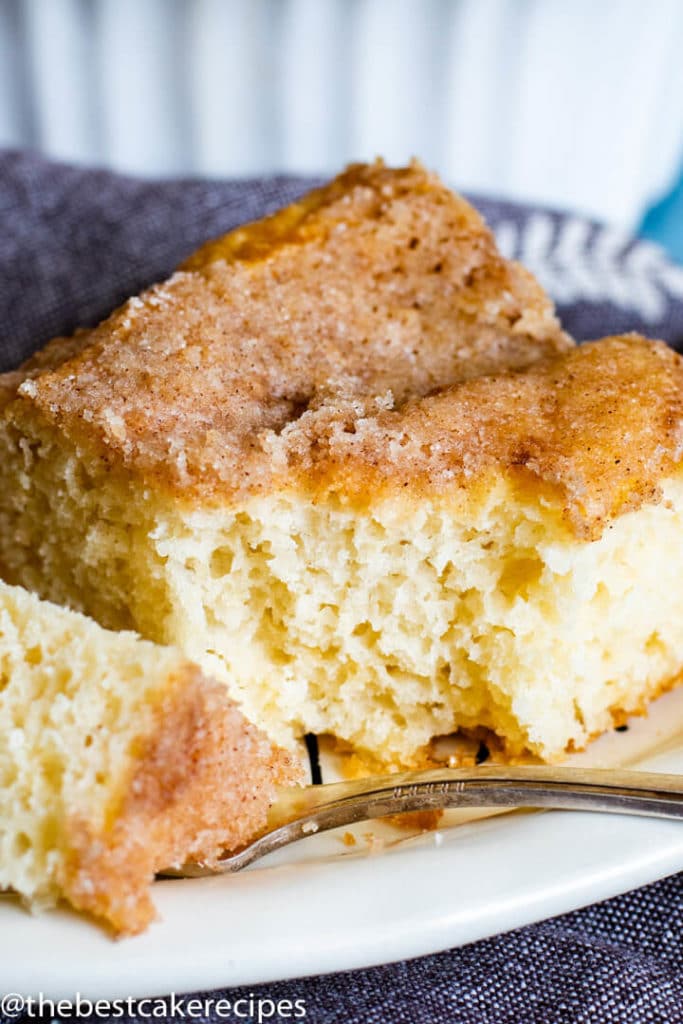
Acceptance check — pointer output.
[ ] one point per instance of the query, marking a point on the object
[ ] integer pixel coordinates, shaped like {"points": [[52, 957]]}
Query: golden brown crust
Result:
{"points": [[320, 348], [203, 782], [600, 427], [383, 281]]}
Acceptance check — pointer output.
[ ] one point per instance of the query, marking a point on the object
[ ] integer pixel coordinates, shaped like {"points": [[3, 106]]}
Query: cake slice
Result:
{"points": [[117, 758], [347, 460]]}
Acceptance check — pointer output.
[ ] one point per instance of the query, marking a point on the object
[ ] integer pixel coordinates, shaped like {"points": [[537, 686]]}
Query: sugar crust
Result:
{"points": [[601, 426], [382, 287], [201, 784]]}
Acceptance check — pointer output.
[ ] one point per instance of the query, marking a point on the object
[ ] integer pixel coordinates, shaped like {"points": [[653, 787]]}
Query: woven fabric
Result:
{"points": [[73, 244]]}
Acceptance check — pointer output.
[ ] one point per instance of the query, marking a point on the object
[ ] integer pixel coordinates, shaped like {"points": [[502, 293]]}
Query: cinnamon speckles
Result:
{"points": [[599, 426], [269, 347]]}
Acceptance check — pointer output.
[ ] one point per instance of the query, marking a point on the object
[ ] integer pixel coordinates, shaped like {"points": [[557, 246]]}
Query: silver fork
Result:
{"points": [[299, 813]]}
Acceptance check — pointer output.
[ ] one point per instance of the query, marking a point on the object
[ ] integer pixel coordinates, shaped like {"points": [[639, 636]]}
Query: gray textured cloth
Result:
{"points": [[73, 244]]}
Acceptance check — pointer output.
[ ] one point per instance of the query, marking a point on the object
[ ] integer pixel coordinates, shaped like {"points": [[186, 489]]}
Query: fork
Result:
{"points": [[298, 813]]}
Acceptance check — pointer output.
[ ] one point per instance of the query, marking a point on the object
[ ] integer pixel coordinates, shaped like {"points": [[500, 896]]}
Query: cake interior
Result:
{"points": [[384, 625], [67, 750], [118, 759]]}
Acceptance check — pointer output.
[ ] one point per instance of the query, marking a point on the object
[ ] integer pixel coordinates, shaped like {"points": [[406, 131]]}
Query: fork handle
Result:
{"points": [[651, 794]]}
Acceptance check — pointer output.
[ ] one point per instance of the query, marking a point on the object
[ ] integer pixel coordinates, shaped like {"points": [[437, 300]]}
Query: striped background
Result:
{"points": [[566, 102]]}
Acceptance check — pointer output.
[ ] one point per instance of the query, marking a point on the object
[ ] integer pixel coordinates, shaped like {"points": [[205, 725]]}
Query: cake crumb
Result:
{"points": [[374, 842]]}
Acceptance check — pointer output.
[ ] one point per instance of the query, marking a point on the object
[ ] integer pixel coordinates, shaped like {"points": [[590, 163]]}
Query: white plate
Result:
{"points": [[323, 906]]}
